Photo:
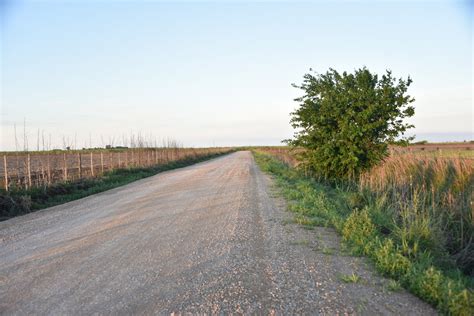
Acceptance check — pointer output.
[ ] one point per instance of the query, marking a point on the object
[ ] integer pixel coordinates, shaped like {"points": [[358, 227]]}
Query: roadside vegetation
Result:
{"points": [[411, 214], [18, 200], [411, 243]]}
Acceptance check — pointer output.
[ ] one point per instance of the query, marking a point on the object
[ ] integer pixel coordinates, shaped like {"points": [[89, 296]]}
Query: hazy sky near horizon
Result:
{"points": [[219, 73]]}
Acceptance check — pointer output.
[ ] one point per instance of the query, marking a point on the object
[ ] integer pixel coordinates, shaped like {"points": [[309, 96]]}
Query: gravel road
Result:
{"points": [[209, 238]]}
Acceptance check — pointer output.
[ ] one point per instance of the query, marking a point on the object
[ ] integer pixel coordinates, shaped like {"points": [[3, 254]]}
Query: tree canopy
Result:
{"points": [[346, 121]]}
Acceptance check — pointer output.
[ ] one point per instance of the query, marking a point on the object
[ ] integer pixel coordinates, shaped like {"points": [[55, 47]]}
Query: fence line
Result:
{"points": [[26, 170]]}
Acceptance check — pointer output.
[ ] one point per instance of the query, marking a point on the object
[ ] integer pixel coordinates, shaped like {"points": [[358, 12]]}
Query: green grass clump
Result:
{"points": [[405, 242], [351, 278], [358, 229], [394, 286]]}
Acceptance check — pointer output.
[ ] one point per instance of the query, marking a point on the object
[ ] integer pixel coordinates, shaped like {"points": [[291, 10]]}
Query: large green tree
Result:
{"points": [[345, 121]]}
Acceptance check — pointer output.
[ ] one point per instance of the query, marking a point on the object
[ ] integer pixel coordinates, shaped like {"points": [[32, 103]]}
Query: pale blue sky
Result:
{"points": [[220, 73]]}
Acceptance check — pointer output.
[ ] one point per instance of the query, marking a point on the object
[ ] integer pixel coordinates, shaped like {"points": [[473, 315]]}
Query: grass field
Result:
{"points": [[412, 215], [437, 150]]}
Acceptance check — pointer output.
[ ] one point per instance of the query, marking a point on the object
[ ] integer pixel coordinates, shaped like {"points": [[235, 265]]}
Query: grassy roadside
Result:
{"points": [[20, 201], [363, 226]]}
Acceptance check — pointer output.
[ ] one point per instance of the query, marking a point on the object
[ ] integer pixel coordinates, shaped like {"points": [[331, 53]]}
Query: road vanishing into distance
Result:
{"points": [[209, 238]]}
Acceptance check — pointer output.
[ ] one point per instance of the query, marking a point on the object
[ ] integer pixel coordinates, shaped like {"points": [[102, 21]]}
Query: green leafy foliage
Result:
{"points": [[358, 228], [345, 121], [351, 278]]}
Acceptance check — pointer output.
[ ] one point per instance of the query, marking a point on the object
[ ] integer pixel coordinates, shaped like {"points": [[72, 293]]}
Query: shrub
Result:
{"points": [[345, 121]]}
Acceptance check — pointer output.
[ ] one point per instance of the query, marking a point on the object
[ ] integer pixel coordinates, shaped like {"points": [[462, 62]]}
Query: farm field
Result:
{"points": [[440, 150], [430, 150]]}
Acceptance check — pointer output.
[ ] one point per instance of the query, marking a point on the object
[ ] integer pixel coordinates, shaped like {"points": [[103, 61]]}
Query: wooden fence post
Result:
{"points": [[126, 159], [29, 171], [49, 171], [92, 165], [80, 165], [119, 159], [102, 161], [42, 174], [5, 170], [18, 177], [65, 166]]}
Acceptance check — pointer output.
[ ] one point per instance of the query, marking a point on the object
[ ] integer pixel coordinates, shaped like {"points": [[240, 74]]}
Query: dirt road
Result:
{"points": [[206, 238]]}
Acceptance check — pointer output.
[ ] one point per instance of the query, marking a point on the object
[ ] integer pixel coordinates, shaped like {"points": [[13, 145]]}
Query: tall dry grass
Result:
{"points": [[283, 153], [412, 217], [425, 202], [432, 200]]}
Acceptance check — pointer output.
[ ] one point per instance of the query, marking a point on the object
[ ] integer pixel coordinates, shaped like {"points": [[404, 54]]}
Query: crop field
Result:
{"points": [[31, 169], [463, 150], [439, 150]]}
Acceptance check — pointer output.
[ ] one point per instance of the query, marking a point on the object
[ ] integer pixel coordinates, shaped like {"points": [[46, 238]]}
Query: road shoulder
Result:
{"points": [[314, 273]]}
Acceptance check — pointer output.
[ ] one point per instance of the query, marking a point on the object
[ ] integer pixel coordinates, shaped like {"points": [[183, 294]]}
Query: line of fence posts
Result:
{"points": [[153, 156]]}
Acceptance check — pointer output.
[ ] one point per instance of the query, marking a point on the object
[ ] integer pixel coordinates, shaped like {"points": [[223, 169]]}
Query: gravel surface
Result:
{"points": [[209, 238]]}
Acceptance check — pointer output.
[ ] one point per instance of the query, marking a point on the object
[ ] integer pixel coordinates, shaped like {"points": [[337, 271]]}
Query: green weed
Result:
{"points": [[303, 242], [328, 251], [394, 286], [351, 278]]}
